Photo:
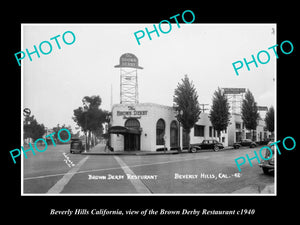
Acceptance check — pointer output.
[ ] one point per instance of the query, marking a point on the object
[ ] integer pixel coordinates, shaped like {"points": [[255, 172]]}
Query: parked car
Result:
{"points": [[263, 142], [244, 142], [76, 145], [268, 165], [206, 144]]}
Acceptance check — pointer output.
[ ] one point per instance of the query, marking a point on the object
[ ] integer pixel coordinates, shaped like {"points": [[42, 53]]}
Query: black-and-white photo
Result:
{"points": [[145, 109]]}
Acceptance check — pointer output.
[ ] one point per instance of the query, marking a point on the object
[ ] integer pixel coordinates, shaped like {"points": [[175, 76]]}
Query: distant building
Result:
{"points": [[237, 130]]}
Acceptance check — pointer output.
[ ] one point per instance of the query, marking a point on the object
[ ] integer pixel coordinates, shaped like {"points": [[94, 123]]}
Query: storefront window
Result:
{"points": [[173, 134], [160, 132]]}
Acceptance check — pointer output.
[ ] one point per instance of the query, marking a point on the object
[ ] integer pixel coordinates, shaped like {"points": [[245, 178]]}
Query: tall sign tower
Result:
{"points": [[129, 65]]}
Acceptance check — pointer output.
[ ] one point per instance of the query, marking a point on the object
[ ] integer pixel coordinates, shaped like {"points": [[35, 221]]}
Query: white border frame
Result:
{"points": [[183, 194]]}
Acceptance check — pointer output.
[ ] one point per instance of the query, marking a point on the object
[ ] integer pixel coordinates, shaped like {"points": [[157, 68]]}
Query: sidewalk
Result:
{"points": [[99, 150]]}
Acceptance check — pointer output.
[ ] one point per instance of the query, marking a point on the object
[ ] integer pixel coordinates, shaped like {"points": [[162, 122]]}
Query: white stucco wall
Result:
{"points": [[148, 125]]}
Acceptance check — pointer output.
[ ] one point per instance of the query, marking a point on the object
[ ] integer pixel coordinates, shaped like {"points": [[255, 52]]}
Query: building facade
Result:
{"points": [[154, 127], [237, 130]]}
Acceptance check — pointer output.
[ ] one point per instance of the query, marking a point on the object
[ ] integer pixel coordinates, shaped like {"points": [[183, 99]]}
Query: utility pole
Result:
{"points": [[202, 107]]}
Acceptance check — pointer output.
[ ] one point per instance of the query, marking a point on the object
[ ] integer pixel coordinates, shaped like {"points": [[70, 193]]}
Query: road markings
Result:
{"points": [[138, 185], [59, 186], [115, 168]]}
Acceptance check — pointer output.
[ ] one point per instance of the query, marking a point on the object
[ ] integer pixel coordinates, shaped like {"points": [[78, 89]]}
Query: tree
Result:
{"points": [[219, 113], [90, 117], [63, 135], [269, 119], [186, 101], [250, 113], [32, 129]]}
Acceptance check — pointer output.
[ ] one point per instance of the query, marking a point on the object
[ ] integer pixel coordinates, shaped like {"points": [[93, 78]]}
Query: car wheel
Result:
{"points": [[266, 170], [193, 150], [216, 148]]}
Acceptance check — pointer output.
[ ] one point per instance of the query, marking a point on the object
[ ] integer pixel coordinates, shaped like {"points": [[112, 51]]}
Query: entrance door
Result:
{"points": [[132, 141], [238, 136]]}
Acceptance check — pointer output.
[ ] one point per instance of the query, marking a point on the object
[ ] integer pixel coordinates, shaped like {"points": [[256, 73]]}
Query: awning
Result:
{"points": [[123, 130]]}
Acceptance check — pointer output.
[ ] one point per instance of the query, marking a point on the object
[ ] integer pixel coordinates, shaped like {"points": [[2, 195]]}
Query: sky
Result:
{"points": [[54, 84]]}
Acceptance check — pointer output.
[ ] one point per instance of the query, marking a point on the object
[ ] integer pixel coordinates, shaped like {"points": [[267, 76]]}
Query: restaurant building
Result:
{"points": [[154, 127]]}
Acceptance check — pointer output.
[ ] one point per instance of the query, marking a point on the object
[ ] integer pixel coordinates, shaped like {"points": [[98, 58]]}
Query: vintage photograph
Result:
{"points": [[148, 109]]}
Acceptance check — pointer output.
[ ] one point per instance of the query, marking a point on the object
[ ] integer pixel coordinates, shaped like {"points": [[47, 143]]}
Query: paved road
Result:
{"points": [[205, 172]]}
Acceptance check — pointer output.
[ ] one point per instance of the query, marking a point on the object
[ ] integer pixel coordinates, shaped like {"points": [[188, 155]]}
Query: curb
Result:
{"points": [[172, 152], [130, 153]]}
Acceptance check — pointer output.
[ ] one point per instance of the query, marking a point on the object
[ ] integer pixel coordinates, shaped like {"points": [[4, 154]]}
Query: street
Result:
{"points": [[56, 171]]}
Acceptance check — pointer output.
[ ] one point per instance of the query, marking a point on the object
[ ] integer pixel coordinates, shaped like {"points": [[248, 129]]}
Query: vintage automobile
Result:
{"points": [[244, 142], [76, 145], [268, 165], [206, 144]]}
